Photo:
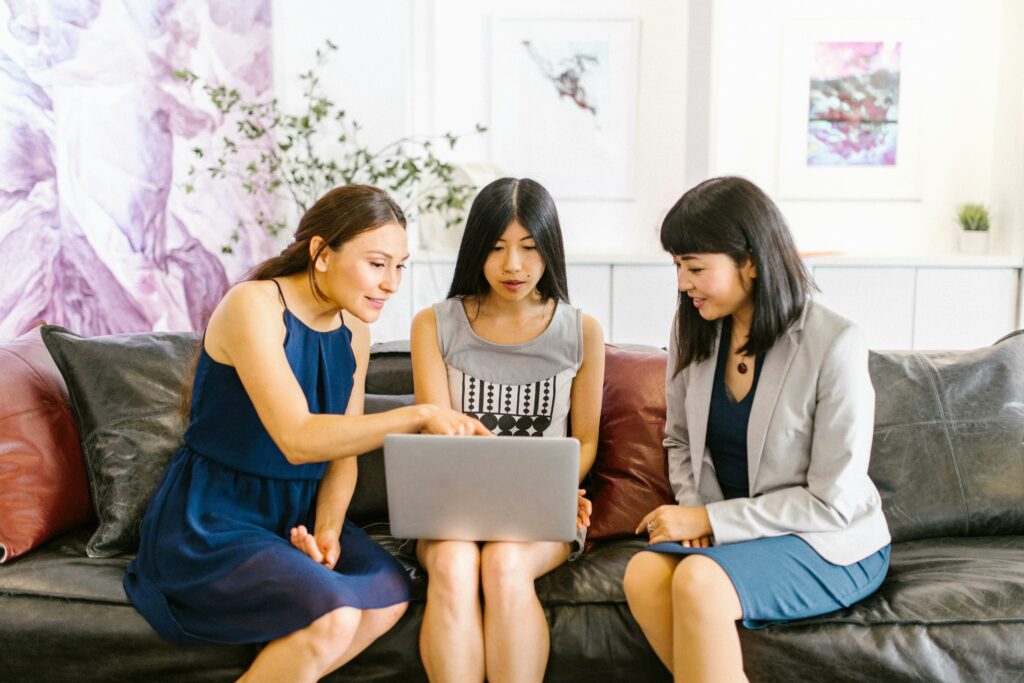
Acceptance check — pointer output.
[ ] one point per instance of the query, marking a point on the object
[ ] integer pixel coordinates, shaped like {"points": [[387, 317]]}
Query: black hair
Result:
{"points": [[732, 216], [498, 204]]}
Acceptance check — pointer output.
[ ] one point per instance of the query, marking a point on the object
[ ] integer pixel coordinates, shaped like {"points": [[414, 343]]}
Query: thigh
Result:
{"points": [[533, 558]]}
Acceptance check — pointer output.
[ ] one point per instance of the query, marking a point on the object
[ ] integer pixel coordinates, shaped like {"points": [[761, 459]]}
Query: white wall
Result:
{"points": [[462, 95], [964, 86], [1008, 134]]}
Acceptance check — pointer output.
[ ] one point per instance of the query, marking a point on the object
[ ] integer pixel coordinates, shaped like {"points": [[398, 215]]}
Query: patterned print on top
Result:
{"points": [[510, 409]]}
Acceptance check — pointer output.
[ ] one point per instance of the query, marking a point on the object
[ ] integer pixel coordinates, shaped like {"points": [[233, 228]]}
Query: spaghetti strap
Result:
{"points": [[280, 293]]}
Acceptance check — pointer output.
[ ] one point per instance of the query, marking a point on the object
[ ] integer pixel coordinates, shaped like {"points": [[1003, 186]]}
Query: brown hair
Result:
{"points": [[339, 216]]}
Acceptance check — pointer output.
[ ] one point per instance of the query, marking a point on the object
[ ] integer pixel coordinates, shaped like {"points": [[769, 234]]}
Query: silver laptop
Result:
{"points": [[478, 488]]}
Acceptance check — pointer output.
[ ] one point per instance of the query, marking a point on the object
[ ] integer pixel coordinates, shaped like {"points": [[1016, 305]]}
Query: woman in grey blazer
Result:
{"points": [[769, 425]]}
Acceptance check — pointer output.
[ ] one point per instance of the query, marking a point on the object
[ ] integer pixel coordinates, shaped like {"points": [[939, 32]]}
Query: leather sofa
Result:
{"points": [[948, 459]]}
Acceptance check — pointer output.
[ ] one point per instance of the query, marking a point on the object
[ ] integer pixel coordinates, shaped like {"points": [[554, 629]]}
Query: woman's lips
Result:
{"points": [[376, 303], [512, 285], [697, 303]]}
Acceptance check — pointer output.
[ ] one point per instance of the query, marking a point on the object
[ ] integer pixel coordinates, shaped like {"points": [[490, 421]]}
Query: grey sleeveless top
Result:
{"points": [[513, 389]]}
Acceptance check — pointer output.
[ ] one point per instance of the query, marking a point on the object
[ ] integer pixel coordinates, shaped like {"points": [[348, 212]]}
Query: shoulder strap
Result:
{"points": [[280, 292]]}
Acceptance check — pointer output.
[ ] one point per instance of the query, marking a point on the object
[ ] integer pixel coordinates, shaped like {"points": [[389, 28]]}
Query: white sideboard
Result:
{"points": [[953, 302]]}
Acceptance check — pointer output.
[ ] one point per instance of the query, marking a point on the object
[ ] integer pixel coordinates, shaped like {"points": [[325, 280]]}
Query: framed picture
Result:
{"points": [[563, 101], [852, 110]]}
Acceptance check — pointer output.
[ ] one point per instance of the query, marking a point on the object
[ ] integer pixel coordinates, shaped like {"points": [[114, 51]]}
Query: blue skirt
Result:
{"points": [[215, 564], [782, 578]]}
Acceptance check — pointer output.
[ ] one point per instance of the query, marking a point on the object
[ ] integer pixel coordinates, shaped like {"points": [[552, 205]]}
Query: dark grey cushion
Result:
{"points": [[125, 393], [948, 453], [370, 499]]}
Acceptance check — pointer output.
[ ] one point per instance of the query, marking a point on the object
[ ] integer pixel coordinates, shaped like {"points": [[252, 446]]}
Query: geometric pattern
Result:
{"points": [[510, 409]]}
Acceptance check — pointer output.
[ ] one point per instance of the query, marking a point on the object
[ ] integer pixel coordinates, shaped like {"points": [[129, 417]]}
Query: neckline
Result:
{"points": [[459, 302], [315, 331]]}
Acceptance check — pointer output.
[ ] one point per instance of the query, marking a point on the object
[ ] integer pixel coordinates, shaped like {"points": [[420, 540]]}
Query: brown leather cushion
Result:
{"points": [[630, 475], [43, 489]]}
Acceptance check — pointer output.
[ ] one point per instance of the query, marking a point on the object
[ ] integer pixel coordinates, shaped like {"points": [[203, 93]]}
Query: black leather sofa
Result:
{"points": [[948, 459]]}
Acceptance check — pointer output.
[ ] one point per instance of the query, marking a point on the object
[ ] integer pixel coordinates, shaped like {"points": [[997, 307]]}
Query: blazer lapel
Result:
{"points": [[773, 373], [698, 407]]}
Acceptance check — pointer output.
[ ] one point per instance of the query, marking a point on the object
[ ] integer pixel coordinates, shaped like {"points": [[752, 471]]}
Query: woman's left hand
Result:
{"points": [[676, 523], [583, 509], [323, 547]]}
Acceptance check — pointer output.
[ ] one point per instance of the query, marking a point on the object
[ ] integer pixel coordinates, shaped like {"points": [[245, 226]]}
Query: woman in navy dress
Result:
{"points": [[245, 540], [770, 414]]}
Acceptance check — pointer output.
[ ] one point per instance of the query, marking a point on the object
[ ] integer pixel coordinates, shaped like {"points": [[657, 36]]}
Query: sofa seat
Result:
{"points": [[940, 594], [946, 605]]}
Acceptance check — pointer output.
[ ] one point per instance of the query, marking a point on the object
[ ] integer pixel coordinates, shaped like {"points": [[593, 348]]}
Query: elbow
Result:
{"points": [[294, 447]]}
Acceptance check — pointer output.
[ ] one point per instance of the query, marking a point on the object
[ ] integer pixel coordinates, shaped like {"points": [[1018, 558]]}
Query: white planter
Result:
{"points": [[974, 241]]}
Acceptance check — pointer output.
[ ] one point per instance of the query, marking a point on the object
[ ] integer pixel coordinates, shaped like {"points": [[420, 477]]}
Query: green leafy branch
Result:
{"points": [[299, 157]]}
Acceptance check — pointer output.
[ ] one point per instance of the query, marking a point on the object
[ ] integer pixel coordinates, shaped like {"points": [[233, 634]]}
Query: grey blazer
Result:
{"points": [[808, 442]]}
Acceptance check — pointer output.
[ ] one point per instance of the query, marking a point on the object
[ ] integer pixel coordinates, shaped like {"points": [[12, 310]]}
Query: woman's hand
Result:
{"points": [[448, 422], [583, 509], [689, 525], [323, 547]]}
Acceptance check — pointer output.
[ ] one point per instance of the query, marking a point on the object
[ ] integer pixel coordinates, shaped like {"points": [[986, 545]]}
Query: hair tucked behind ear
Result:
{"points": [[732, 216], [339, 216]]}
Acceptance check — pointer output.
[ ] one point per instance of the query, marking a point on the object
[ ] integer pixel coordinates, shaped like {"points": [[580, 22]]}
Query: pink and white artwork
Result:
{"points": [[96, 230], [854, 104]]}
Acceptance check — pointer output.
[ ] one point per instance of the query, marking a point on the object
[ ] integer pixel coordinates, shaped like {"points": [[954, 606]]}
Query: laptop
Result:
{"points": [[479, 488]]}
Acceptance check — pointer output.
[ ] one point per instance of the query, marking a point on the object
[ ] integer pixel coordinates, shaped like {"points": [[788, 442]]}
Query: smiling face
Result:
{"points": [[514, 266], [717, 287], [365, 271]]}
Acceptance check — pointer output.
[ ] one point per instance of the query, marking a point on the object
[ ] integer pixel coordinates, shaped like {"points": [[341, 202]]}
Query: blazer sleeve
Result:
{"points": [[677, 434], [837, 478]]}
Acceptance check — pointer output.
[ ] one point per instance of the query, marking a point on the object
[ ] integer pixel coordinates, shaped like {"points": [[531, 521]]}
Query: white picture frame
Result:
{"points": [[797, 178], [563, 103]]}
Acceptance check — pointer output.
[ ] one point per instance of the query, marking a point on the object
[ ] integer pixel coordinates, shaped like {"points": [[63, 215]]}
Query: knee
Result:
{"points": [[504, 571], [696, 583], [330, 636], [453, 569], [380, 621]]}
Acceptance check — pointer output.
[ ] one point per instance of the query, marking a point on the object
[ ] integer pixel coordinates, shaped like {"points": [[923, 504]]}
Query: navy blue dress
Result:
{"points": [[215, 564]]}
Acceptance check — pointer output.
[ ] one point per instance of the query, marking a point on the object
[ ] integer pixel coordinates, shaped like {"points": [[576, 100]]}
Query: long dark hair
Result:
{"points": [[732, 216], [498, 204], [337, 217]]}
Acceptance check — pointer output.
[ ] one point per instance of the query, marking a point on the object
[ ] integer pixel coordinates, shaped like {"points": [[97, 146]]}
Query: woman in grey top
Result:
{"points": [[507, 348]]}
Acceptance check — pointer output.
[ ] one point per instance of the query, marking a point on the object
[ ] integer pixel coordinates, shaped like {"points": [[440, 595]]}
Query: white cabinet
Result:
{"points": [[938, 303], [590, 289], [964, 308], [644, 300], [880, 300]]}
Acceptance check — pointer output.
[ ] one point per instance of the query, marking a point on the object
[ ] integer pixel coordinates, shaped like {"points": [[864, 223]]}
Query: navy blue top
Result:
{"points": [[323, 364], [727, 424]]}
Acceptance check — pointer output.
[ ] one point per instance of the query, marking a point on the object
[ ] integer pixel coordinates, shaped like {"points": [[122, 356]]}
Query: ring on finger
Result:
{"points": [[650, 528]]}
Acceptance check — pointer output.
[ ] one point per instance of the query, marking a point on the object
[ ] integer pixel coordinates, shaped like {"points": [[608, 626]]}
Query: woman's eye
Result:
{"points": [[402, 266], [378, 265], [497, 247], [530, 247], [696, 271]]}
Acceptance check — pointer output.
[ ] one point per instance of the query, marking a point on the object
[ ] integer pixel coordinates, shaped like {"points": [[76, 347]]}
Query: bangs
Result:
{"points": [[689, 235]]}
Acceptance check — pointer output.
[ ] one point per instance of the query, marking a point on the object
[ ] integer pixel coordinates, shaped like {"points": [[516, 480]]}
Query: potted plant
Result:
{"points": [[296, 157], [974, 225]]}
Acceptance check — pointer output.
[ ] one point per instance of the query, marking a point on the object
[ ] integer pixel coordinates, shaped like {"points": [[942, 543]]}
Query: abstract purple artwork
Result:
{"points": [[854, 104], [96, 230]]}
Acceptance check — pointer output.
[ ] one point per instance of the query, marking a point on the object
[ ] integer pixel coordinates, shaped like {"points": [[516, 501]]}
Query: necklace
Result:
{"points": [[742, 367]]}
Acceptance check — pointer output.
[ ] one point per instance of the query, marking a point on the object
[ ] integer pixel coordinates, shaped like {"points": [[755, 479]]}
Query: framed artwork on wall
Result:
{"points": [[852, 109], [563, 103]]}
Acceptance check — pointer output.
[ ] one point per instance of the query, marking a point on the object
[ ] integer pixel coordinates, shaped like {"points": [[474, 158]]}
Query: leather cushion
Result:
{"points": [[125, 395], [370, 499], [43, 489], [630, 475], [947, 455]]}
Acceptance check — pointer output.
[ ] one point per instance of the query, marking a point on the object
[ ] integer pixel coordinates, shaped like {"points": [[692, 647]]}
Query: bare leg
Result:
{"points": [[515, 629], [373, 624], [452, 636], [306, 654], [706, 644], [648, 587]]}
